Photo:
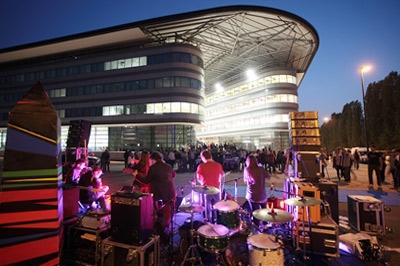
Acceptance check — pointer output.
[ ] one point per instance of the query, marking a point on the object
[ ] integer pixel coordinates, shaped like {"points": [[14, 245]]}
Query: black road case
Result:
{"points": [[120, 254], [366, 214]]}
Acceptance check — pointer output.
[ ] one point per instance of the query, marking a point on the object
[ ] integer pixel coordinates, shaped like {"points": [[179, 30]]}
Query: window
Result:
{"points": [[57, 93], [113, 110], [185, 107], [166, 107], [150, 108], [175, 107], [158, 108], [61, 113], [143, 61], [135, 62], [194, 108], [107, 66]]}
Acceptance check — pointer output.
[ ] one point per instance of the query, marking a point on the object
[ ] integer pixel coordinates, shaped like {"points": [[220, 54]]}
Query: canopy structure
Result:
{"points": [[231, 38]]}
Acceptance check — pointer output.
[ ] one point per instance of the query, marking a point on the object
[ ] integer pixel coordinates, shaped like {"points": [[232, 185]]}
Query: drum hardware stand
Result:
{"points": [[307, 211], [192, 251]]}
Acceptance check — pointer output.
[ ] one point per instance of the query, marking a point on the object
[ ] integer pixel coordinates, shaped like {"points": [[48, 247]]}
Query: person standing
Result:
{"points": [[161, 178], [346, 164], [396, 170], [356, 157], [254, 176], [140, 171], [105, 160], [374, 165], [323, 163], [209, 173]]}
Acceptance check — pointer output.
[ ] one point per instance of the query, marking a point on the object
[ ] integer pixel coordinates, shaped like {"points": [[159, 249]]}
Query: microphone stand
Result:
{"points": [[235, 186]]}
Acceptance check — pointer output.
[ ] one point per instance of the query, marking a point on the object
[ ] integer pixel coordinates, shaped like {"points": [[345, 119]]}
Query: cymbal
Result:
{"points": [[191, 208], [208, 190], [302, 201], [273, 216]]}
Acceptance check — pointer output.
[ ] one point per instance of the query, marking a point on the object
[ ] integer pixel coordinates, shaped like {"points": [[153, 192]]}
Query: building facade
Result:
{"points": [[152, 83]]}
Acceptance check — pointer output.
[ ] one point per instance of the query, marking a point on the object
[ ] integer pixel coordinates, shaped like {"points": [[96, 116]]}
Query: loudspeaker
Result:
{"points": [[132, 219], [330, 193], [78, 133]]}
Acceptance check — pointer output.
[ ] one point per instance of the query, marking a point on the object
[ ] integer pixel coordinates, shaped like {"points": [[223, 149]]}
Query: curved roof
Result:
{"points": [[231, 39]]}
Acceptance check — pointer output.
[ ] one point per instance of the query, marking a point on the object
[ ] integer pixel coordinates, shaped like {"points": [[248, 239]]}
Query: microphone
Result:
{"points": [[182, 191], [272, 187]]}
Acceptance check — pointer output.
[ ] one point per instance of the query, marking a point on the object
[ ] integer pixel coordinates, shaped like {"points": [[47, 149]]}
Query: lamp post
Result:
{"points": [[363, 70]]}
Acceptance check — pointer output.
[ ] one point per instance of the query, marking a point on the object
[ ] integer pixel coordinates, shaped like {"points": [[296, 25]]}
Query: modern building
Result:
{"points": [[227, 74]]}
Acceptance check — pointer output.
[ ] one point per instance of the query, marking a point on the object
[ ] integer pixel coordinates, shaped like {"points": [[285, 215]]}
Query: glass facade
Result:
{"points": [[252, 114], [73, 70], [150, 137], [249, 87]]}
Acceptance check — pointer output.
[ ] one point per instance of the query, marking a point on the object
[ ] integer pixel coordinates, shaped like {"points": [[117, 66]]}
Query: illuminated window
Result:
{"points": [[58, 93], [194, 108], [185, 107], [175, 107], [113, 110], [142, 61], [158, 108], [125, 63], [150, 108], [166, 107], [135, 62]]}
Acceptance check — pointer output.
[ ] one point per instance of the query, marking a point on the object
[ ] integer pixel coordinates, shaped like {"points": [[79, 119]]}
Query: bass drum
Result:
{"points": [[264, 250], [237, 252]]}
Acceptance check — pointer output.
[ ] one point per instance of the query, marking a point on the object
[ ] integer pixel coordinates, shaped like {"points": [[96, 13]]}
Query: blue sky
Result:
{"points": [[352, 32]]}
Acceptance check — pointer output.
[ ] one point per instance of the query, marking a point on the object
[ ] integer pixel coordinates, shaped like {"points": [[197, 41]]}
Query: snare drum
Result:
{"points": [[265, 251], [228, 213], [213, 238]]}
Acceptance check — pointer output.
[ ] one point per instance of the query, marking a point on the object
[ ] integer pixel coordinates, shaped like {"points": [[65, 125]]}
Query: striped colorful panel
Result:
{"points": [[30, 186]]}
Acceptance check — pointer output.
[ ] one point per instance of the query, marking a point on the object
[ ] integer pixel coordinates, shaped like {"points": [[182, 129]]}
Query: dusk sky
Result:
{"points": [[351, 32]]}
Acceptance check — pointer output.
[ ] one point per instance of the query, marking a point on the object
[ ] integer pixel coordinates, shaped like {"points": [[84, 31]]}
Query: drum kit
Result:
{"points": [[213, 238]]}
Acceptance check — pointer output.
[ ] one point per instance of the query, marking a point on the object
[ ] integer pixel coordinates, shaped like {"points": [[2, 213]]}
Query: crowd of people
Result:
{"points": [[383, 165], [229, 156]]}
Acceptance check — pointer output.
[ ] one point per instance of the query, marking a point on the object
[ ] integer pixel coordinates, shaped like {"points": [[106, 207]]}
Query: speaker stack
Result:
{"points": [[305, 142], [78, 133]]}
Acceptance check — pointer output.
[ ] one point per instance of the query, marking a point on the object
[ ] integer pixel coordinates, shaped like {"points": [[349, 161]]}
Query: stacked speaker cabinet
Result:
{"points": [[305, 143], [78, 133]]}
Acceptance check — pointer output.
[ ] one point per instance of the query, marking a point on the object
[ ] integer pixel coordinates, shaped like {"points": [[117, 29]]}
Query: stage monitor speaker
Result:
{"points": [[330, 193], [132, 217], [78, 133]]}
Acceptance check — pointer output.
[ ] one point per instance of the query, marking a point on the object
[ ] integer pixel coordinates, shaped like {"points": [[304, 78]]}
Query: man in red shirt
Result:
{"points": [[209, 173]]}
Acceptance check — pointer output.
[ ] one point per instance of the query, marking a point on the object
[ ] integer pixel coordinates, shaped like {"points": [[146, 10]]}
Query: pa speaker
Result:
{"points": [[78, 133]]}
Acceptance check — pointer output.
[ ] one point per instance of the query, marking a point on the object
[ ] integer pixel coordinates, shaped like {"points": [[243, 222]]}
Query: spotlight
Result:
{"points": [[251, 74], [218, 87]]}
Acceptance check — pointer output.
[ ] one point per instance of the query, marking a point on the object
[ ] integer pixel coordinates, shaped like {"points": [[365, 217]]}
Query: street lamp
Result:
{"points": [[363, 70]]}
